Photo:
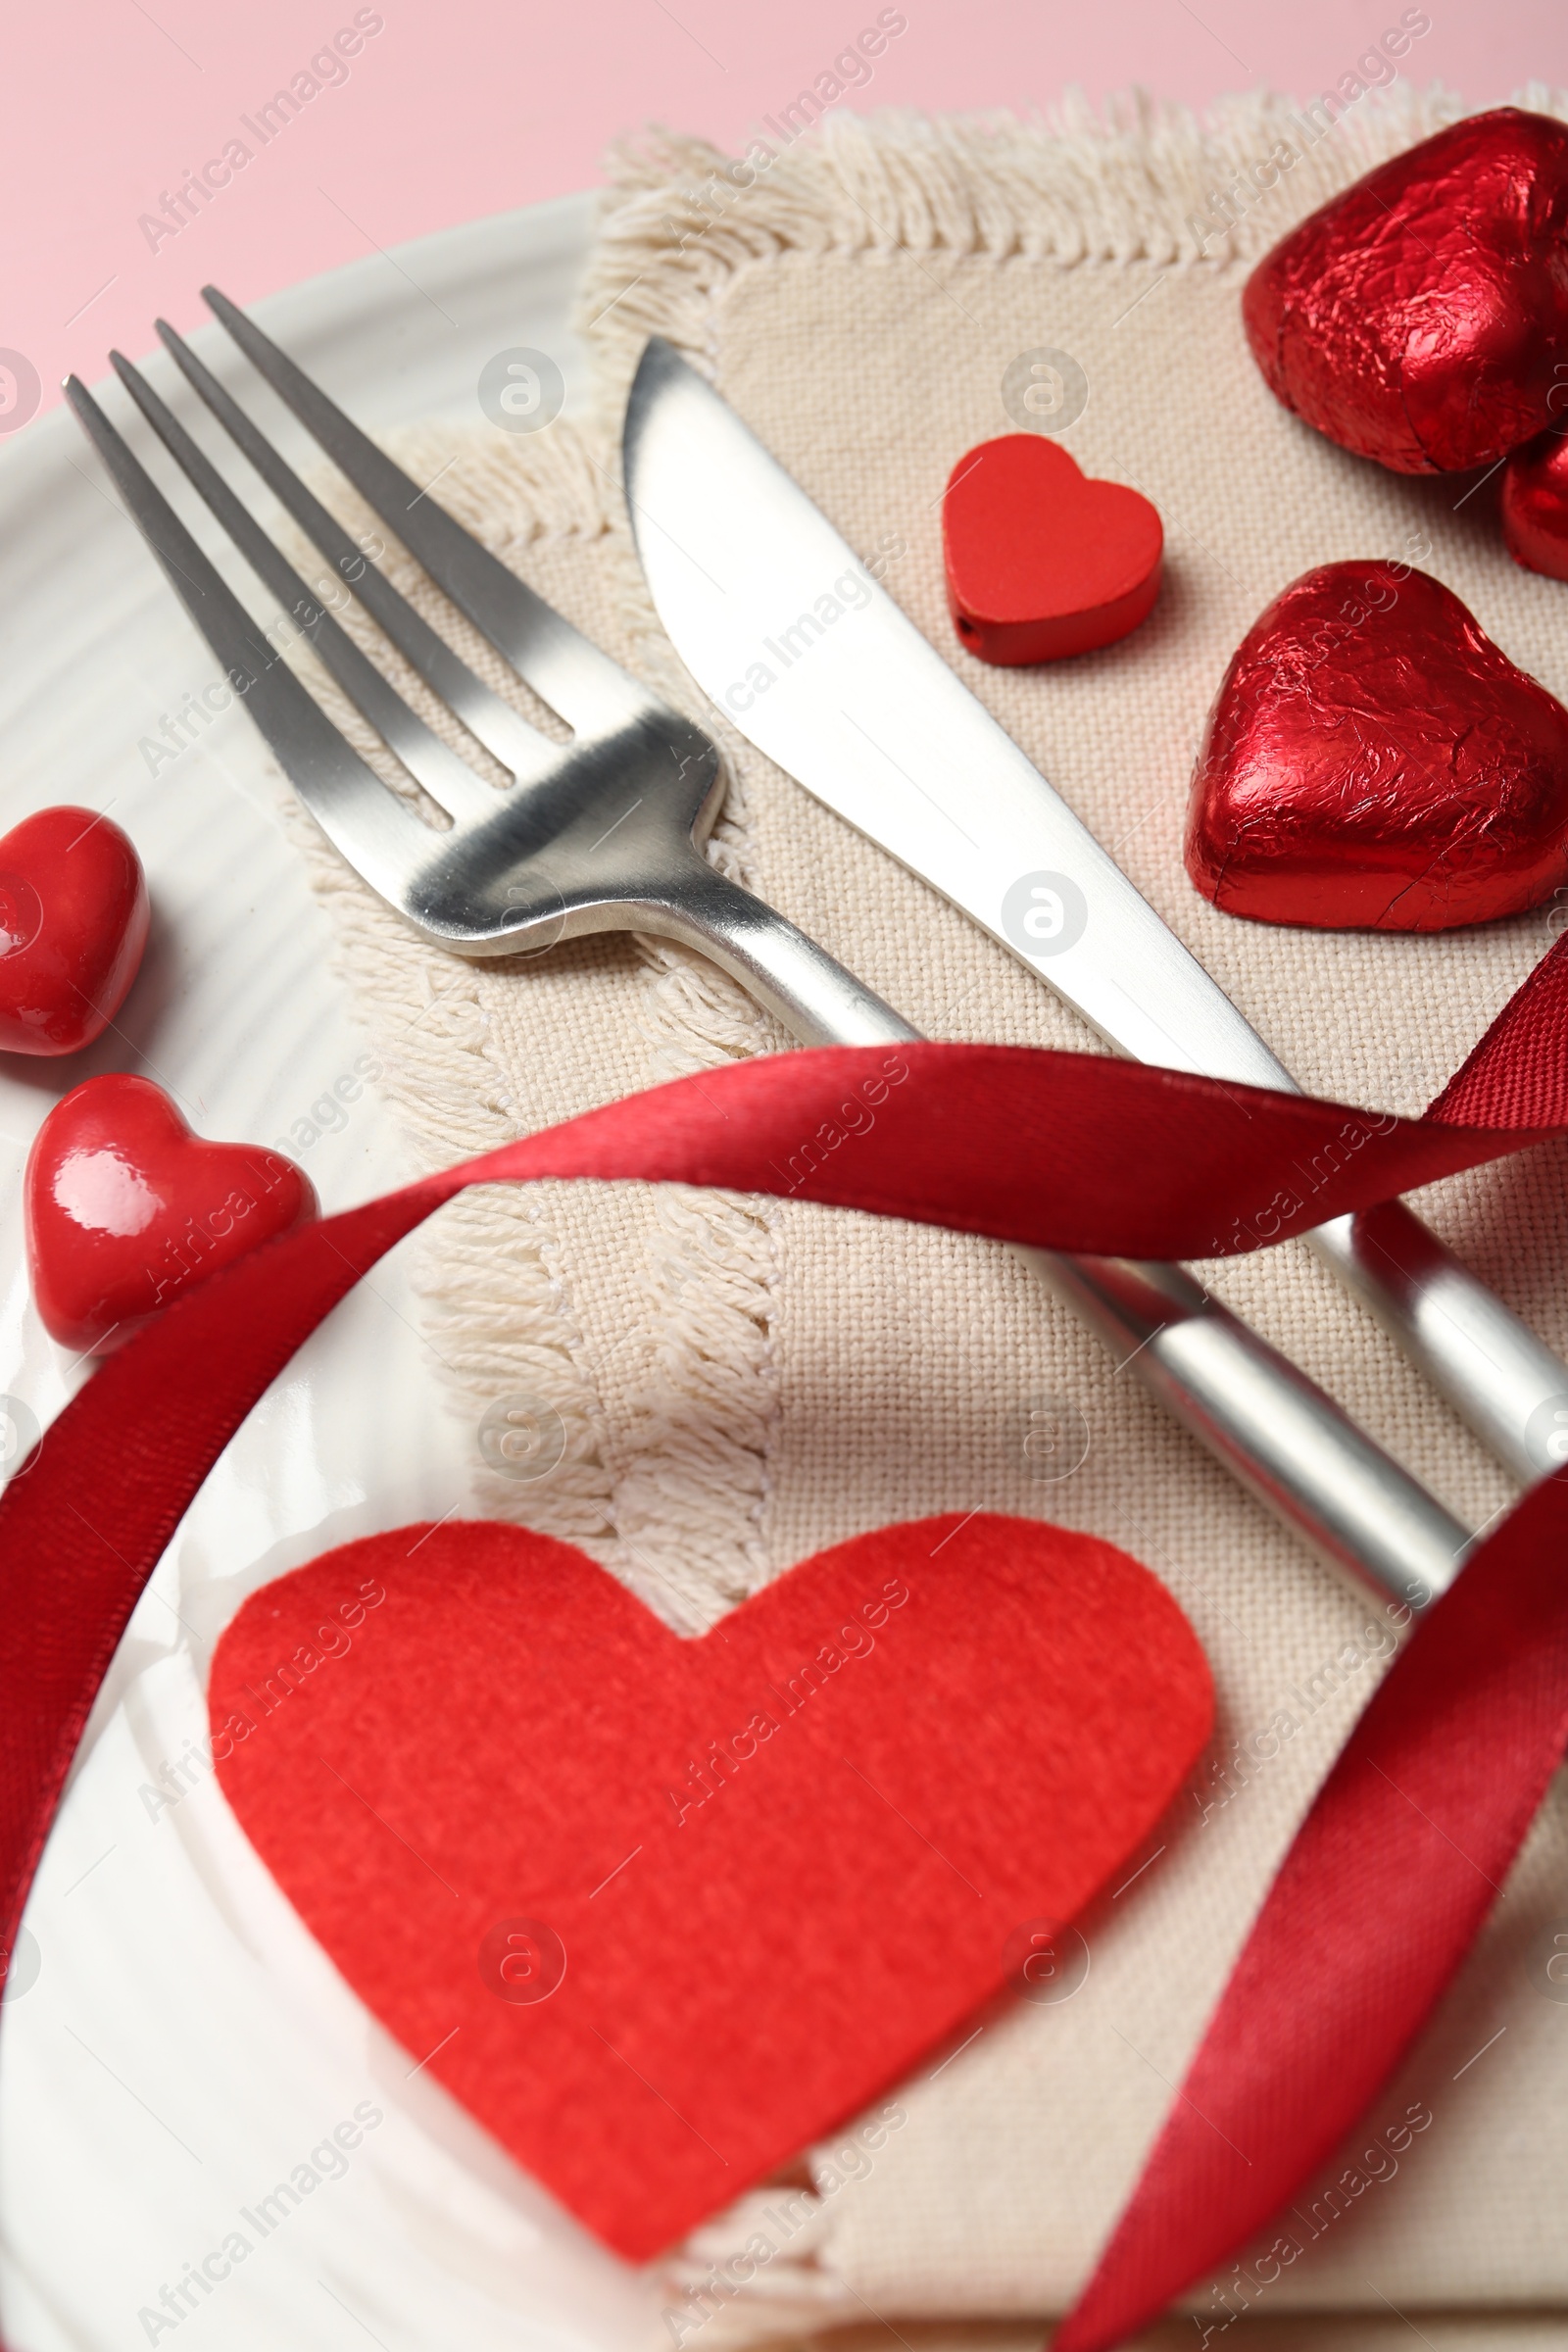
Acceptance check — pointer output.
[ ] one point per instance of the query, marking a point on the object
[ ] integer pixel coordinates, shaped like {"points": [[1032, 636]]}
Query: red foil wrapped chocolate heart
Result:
{"points": [[1373, 761], [1535, 503], [1421, 318]]}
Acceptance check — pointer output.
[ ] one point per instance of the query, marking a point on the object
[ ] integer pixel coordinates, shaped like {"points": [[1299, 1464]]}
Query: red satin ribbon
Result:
{"points": [[1391, 1874]]}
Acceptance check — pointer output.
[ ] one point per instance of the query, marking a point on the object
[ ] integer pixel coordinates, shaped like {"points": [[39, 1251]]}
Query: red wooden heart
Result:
{"points": [[662, 1912], [1372, 760], [72, 927], [126, 1207], [1043, 560], [1535, 504], [1421, 318]]}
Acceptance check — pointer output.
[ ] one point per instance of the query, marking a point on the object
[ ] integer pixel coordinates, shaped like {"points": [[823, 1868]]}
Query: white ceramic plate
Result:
{"points": [[174, 2045]]}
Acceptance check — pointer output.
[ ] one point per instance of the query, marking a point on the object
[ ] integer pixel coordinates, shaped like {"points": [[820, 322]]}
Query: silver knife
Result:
{"points": [[784, 628]]}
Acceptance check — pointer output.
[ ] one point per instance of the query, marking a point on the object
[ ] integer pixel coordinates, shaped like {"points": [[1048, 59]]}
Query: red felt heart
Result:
{"points": [[1042, 561], [1421, 317], [662, 1912], [72, 927], [1373, 761], [125, 1209], [1535, 504]]}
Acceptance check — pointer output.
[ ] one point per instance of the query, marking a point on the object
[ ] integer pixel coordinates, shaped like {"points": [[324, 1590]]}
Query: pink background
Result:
{"points": [[459, 108]]}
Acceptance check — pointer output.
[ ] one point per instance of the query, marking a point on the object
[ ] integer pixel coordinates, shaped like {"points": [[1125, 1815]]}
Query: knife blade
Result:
{"points": [[857, 705], [787, 632]]}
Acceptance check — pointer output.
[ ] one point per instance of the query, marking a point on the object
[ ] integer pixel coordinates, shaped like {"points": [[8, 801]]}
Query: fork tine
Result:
{"points": [[378, 836], [502, 730], [588, 690], [445, 776]]}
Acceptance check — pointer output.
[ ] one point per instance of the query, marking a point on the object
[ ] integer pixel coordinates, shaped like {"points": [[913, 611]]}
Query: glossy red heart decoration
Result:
{"points": [[662, 1912], [1393, 771], [1535, 501], [125, 1209], [1421, 318], [1043, 560], [72, 927]]}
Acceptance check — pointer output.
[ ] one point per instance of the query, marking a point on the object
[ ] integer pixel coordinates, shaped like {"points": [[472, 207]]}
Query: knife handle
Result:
{"points": [[1493, 1369], [1500, 1379], [1271, 1427]]}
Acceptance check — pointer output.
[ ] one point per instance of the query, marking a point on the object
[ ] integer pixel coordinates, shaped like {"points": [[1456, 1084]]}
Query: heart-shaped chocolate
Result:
{"points": [[1535, 501], [1042, 560], [1421, 318], [125, 1209], [659, 1912], [1373, 761], [72, 927]]}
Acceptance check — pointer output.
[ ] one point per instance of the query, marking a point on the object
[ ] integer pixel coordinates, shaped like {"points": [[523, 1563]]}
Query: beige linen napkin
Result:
{"points": [[739, 1382]]}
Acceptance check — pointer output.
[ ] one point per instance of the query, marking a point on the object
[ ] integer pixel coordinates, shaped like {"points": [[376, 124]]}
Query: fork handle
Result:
{"points": [[1274, 1429], [797, 981]]}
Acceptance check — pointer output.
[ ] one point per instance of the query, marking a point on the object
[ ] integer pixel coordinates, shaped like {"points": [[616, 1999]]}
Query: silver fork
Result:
{"points": [[604, 832]]}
